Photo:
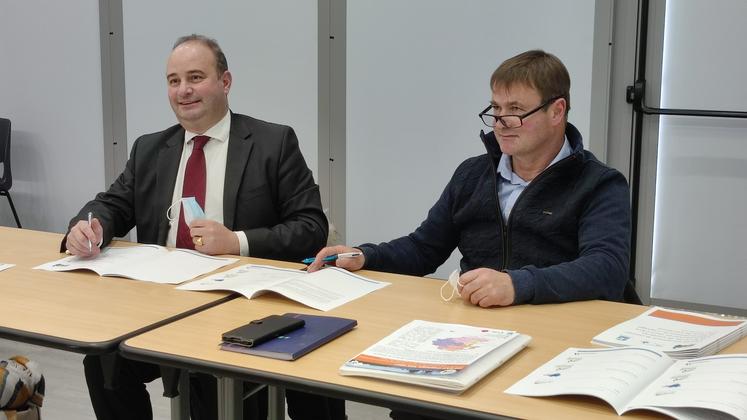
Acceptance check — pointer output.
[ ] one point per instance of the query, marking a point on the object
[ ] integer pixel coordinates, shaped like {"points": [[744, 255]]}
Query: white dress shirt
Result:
{"points": [[216, 153]]}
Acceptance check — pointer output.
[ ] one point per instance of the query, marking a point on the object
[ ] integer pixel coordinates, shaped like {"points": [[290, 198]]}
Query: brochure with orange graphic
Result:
{"points": [[632, 378], [451, 357], [679, 334]]}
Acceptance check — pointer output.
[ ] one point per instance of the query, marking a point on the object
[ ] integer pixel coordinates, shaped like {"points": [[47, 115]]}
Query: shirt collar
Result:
{"points": [[506, 170], [220, 131]]}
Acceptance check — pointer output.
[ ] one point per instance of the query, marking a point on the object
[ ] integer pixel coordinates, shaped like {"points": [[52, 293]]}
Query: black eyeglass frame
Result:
{"points": [[499, 118]]}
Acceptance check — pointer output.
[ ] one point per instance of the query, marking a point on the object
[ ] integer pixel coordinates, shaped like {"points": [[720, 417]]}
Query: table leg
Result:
{"points": [[276, 403], [230, 399]]}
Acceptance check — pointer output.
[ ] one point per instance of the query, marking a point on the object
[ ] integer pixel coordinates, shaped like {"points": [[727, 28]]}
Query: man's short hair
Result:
{"points": [[537, 69], [220, 59]]}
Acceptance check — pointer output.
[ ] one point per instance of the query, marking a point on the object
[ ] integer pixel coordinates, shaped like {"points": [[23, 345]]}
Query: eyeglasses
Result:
{"points": [[511, 121]]}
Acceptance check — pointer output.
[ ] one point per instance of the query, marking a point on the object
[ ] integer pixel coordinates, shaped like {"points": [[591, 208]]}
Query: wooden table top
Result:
{"points": [[192, 342], [78, 310]]}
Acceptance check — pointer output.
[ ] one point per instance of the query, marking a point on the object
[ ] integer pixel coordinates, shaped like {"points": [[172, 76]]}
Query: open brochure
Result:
{"points": [[679, 334], [324, 289], [450, 357], [630, 378], [144, 262]]}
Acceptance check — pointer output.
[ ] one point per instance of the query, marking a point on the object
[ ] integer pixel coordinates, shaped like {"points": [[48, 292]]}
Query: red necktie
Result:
{"points": [[194, 186]]}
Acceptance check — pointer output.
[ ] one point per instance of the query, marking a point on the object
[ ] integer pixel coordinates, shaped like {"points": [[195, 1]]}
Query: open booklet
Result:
{"points": [[450, 357], [324, 289], [679, 334], [630, 378], [143, 262]]}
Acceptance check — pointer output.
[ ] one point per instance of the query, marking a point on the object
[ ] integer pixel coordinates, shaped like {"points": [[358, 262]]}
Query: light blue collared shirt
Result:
{"points": [[510, 185]]}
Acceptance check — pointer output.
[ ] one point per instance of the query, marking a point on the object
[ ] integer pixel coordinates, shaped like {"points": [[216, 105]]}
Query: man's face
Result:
{"points": [[534, 139], [197, 93]]}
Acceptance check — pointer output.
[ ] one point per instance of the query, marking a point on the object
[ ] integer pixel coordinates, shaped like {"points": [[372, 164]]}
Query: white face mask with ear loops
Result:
{"points": [[191, 209], [454, 283]]}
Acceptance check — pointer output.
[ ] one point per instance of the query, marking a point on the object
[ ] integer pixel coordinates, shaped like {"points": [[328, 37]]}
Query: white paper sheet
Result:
{"points": [[324, 290], [151, 263]]}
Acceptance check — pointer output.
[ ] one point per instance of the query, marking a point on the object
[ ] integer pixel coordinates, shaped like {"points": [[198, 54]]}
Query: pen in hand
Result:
{"points": [[334, 257], [90, 215]]}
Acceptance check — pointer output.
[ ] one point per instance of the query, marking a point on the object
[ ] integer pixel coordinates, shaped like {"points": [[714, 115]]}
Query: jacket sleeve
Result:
{"points": [[115, 208], [302, 230], [424, 250], [601, 269]]}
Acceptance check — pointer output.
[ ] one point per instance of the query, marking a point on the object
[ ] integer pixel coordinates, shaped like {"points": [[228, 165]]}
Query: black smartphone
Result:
{"points": [[261, 330]]}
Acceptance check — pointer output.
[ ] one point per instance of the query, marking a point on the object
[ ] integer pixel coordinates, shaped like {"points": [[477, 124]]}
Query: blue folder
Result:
{"points": [[318, 330]]}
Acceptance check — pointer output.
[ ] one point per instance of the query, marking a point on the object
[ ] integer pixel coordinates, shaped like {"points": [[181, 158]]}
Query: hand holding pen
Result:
{"points": [[351, 259], [85, 237]]}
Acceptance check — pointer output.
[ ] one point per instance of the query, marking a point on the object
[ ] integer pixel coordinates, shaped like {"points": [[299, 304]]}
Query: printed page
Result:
{"points": [[614, 375], [151, 263], [175, 266], [715, 383], [324, 290], [327, 289], [432, 346], [668, 330], [109, 261]]}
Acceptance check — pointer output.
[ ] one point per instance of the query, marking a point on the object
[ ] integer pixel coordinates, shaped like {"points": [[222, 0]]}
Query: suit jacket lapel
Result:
{"points": [[239, 148], [167, 166]]}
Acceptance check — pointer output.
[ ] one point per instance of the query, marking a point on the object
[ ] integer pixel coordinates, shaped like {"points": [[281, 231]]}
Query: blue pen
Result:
{"points": [[334, 257]]}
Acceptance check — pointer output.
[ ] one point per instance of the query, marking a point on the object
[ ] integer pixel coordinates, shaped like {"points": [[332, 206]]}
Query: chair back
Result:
{"points": [[6, 180], [630, 295]]}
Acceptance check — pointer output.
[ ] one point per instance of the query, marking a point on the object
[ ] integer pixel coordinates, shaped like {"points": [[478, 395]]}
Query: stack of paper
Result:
{"points": [[679, 334], [451, 357]]}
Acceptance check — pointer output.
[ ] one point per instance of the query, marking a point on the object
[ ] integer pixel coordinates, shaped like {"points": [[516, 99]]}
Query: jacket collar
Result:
{"points": [[494, 150]]}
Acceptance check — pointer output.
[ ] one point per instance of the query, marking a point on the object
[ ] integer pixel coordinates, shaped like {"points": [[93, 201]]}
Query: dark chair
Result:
{"points": [[6, 179], [630, 295]]}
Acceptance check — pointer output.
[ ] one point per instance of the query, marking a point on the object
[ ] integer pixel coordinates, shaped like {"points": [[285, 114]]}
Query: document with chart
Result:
{"points": [[679, 334], [450, 357], [631, 378], [324, 289], [152, 263]]}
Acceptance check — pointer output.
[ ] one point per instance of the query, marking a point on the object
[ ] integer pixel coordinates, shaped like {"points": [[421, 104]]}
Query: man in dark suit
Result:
{"points": [[258, 196]]}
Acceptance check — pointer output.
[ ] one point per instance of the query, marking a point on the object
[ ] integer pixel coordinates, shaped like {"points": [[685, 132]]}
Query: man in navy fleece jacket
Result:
{"points": [[537, 218]]}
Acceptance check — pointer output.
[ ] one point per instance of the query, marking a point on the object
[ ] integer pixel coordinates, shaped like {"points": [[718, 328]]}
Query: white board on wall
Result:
{"points": [[417, 76], [271, 48]]}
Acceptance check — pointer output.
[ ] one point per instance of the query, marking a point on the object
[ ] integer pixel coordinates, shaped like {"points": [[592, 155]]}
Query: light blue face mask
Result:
{"points": [[190, 207]]}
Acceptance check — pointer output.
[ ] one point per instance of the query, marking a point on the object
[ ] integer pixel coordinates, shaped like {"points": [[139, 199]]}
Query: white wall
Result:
{"points": [[701, 191], [418, 75], [271, 47], [50, 88]]}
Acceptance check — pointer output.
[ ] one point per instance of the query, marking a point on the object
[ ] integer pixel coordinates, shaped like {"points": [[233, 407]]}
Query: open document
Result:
{"points": [[451, 357], [632, 378], [679, 334], [324, 289], [144, 262]]}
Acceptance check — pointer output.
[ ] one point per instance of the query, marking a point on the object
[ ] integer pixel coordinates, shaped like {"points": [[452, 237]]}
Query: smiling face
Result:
{"points": [[197, 93], [541, 134]]}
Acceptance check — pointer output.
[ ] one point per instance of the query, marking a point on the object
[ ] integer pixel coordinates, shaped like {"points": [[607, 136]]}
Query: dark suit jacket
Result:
{"points": [[269, 192]]}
